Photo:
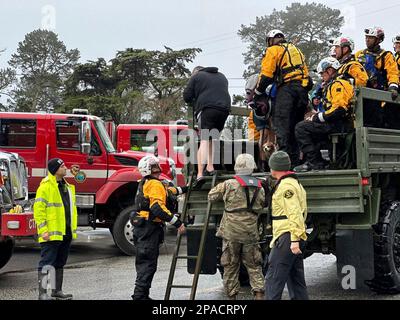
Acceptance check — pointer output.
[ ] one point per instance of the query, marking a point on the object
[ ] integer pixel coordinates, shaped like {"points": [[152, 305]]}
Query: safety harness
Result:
{"points": [[248, 182], [296, 61], [376, 77]]}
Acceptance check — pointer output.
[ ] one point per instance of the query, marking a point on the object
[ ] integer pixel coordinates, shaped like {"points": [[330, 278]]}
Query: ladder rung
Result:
{"points": [[186, 257], [181, 286]]}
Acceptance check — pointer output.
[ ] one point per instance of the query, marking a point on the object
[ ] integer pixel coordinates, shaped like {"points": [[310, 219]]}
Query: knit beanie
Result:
{"points": [[54, 164], [279, 161]]}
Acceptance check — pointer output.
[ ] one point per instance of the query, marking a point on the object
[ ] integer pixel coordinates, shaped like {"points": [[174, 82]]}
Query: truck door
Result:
{"points": [[92, 172]]}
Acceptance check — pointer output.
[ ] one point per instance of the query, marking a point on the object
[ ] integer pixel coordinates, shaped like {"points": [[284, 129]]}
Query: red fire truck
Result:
{"points": [[160, 139], [105, 180]]}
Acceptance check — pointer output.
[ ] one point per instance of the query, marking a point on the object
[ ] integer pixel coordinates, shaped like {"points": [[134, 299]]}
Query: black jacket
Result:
{"points": [[208, 88]]}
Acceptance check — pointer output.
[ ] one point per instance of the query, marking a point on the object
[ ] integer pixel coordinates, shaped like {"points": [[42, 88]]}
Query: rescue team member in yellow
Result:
{"points": [[396, 47], [284, 65], [289, 212], [148, 222], [383, 75], [350, 69], [336, 101], [56, 218]]}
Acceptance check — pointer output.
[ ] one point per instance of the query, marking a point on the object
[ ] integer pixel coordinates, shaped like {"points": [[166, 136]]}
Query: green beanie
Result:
{"points": [[279, 161]]}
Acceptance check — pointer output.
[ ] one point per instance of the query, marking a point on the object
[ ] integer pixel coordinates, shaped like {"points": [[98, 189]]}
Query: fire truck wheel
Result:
{"points": [[6, 249], [123, 232]]}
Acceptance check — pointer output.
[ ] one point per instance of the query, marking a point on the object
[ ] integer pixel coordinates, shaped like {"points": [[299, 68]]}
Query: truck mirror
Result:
{"points": [[86, 137]]}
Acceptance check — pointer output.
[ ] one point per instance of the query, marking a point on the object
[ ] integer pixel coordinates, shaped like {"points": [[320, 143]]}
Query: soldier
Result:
{"points": [[284, 65], [289, 211], [243, 197], [382, 75], [350, 68]]}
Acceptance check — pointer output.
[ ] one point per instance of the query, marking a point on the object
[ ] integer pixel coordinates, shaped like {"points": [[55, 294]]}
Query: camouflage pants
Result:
{"points": [[233, 253]]}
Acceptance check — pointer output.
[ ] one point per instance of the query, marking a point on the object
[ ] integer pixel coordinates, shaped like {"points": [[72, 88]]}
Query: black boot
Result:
{"points": [[141, 294], [314, 161], [42, 291], [58, 293]]}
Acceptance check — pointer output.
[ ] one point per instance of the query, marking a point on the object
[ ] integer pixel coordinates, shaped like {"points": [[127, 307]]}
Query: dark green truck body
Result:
{"points": [[354, 211]]}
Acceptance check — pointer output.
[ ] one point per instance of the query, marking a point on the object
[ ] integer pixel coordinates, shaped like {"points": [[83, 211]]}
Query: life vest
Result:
{"points": [[291, 64], [377, 77], [248, 182]]}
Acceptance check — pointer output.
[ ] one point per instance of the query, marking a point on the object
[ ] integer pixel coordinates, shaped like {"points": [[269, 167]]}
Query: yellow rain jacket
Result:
{"points": [[49, 210], [289, 210]]}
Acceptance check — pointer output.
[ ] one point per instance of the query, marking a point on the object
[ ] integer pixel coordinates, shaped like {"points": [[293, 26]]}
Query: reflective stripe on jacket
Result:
{"points": [[49, 210]]}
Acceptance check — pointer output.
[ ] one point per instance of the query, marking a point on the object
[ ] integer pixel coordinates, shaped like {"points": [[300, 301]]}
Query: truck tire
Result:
{"points": [[122, 232], [387, 250], [6, 250]]}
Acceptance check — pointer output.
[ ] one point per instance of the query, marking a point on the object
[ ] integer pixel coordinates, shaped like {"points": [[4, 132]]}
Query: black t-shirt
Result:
{"points": [[62, 187]]}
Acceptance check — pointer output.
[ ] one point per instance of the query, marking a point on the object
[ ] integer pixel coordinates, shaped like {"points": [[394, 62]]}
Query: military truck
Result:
{"points": [[354, 207]]}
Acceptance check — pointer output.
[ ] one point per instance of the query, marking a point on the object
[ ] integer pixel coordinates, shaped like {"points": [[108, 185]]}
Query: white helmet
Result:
{"points": [[245, 164], [251, 82], [326, 63], [376, 32], [396, 39], [343, 42], [274, 33], [146, 164], [332, 52]]}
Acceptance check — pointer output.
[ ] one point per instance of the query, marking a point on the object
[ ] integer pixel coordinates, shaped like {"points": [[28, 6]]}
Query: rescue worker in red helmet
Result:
{"points": [[350, 68]]}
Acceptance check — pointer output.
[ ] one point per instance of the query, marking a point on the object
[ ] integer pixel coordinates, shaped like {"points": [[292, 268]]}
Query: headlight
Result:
{"points": [[172, 167]]}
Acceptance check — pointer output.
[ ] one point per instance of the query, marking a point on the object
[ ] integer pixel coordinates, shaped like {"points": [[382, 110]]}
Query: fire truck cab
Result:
{"points": [[106, 181], [166, 140]]}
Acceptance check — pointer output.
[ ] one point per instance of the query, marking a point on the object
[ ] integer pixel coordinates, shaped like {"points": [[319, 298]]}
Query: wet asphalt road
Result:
{"points": [[96, 270]]}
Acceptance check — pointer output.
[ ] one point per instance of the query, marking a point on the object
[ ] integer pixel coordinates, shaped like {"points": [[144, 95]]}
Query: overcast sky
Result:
{"points": [[99, 28]]}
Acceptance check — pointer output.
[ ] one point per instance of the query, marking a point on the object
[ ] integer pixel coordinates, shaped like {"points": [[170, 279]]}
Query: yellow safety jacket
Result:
{"points": [[289, 209], [253, 133], [336, 100], [156, 192], [284, 62], [384, 64], [49, 210], [352, 69]]}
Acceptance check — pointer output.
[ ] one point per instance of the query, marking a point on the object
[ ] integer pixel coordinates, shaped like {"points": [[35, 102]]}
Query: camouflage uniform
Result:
{"points": [[239, 231]]}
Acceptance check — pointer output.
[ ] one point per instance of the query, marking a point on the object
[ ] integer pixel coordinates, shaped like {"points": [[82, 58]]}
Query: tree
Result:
{"points": [[44, 64], [7, 77], [309, 26], [135, 82]]}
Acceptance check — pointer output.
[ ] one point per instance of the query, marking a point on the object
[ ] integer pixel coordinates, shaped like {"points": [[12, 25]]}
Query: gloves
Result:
{"points": [[394, 90]]}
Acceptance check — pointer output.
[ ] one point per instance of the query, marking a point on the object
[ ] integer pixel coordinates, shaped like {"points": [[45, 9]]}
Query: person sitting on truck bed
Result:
{"points": [[56, 218], [337, 96], [148, 222], [382, 75], [243, 197]]}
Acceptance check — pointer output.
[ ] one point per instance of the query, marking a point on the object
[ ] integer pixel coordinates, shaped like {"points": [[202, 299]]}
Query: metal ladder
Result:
{"points": [[199, 257]]}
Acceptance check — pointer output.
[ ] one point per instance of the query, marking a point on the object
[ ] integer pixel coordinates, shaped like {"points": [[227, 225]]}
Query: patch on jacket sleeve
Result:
{"points": [[288, 194]]}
